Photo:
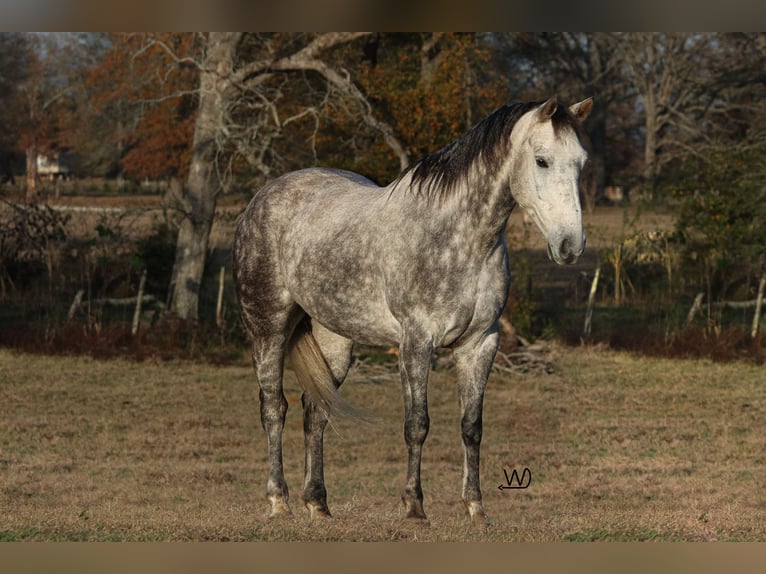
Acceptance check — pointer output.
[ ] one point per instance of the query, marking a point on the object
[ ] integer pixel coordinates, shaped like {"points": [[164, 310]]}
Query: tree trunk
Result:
{"points": [[595, 172], [649, 174], [31, 193], [650, 110], [199, 195]]}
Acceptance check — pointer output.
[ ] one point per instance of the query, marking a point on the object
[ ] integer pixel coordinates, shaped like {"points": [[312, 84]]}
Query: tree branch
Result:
{"points": [[307, 59], [323, 42], [345, 85]]}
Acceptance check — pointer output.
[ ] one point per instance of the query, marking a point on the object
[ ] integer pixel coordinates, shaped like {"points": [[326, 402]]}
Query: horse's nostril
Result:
{"points": [[565, 250]]}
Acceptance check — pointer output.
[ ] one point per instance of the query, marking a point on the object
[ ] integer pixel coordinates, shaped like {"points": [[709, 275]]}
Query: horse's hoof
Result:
{"points": [[317, 510], [415, 514], [478, 517], [279, 508]]}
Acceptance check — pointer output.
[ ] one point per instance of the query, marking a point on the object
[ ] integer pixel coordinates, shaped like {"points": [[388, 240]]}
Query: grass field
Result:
{"points": [[620, 448]]}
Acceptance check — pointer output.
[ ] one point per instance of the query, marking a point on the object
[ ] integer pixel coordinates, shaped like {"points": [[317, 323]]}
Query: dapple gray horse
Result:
{"points": [[324, 257]]}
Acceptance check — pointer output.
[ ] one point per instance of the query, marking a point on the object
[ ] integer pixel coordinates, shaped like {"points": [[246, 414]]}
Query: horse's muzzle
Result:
{"points": [[567, 250]]}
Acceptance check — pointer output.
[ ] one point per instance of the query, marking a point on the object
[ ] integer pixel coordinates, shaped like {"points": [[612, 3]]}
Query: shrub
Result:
{"points": [[722, 216], [30, 236]]}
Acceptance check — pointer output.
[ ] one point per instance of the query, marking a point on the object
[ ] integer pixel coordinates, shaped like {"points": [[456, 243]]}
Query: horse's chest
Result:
{"points": [[476, 308], [451, 299]]}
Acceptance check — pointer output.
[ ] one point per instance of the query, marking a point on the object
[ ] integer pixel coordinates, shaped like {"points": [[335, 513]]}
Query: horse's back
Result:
{"points": [[308, 184], [279, 202]]}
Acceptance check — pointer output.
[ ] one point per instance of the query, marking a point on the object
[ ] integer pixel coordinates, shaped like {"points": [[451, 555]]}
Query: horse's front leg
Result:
{"points": [[473, 361], [414, 366]]}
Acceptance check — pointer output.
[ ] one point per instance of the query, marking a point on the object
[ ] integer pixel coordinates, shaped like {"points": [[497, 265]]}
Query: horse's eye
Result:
{"points": [[541, 162]]}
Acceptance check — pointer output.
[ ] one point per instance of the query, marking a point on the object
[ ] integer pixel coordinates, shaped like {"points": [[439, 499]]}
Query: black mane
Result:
{"points": [[439, 173]]}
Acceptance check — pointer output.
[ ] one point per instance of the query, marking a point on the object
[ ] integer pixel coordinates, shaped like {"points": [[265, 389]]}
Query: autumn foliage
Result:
{"points": [[429, 88], [146, 84], [430, 95]]}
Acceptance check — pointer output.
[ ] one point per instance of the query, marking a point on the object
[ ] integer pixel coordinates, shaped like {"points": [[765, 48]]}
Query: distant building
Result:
{"points": [[58, 164], [614, 193]]}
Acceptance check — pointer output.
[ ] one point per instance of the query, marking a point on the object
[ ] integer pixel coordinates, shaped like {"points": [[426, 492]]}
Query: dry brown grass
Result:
{"points": [[620, 448]]}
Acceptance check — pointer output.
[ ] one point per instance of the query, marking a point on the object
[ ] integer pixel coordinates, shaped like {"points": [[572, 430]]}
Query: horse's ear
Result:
{"points": [[582, 109], [546, 111]]}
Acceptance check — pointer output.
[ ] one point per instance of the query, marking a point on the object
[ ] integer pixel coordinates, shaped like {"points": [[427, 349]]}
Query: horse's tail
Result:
{"points": [[316, 377]]}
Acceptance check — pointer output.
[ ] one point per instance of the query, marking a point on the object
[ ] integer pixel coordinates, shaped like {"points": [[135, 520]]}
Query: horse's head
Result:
{"points": [[547, 159]]}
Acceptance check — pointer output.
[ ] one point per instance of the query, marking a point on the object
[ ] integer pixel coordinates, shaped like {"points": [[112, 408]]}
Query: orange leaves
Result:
{"points": [[431, 95], [161, 143], [146, 82]]}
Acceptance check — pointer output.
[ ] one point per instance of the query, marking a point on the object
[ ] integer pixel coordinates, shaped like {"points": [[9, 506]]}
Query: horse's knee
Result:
{"points": [[471, 430], [416, 427]]}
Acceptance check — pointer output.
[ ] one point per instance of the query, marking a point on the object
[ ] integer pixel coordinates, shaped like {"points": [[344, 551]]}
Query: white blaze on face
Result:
{"points": [[545, 181]]}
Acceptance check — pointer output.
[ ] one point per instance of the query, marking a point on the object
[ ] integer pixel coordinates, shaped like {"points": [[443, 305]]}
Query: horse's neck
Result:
{"points": [[485, 203], [478, 208], [485, 195]]}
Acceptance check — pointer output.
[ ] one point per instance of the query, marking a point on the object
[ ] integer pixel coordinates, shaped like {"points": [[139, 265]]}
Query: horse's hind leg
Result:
{"points": [[268, 361], [269, 322], [337, 353]]}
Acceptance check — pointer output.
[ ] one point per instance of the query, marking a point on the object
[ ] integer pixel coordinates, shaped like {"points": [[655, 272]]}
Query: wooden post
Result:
{"points": [[591, 303], [75, 305], [137, 312], [696, 306], [758, 304], [219, 304]]}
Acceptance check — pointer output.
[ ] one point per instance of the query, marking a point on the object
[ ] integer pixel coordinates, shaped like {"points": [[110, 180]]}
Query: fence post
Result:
{"points": [[758, 303], [139, 298], [75, 305], [591, 303], [219, 304], [696, 306]]}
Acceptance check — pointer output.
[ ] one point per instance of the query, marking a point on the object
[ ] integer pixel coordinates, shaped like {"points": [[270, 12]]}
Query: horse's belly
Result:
{"points": [[361, 317]]}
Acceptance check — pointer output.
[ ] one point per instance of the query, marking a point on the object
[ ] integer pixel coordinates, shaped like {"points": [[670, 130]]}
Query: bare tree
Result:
{"points": [[199, 193], [238, 114], [310, 59], [671, 76]]}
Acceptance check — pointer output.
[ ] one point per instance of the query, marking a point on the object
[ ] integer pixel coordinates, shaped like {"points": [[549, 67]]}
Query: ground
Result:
{"points": [[619, 448]]}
